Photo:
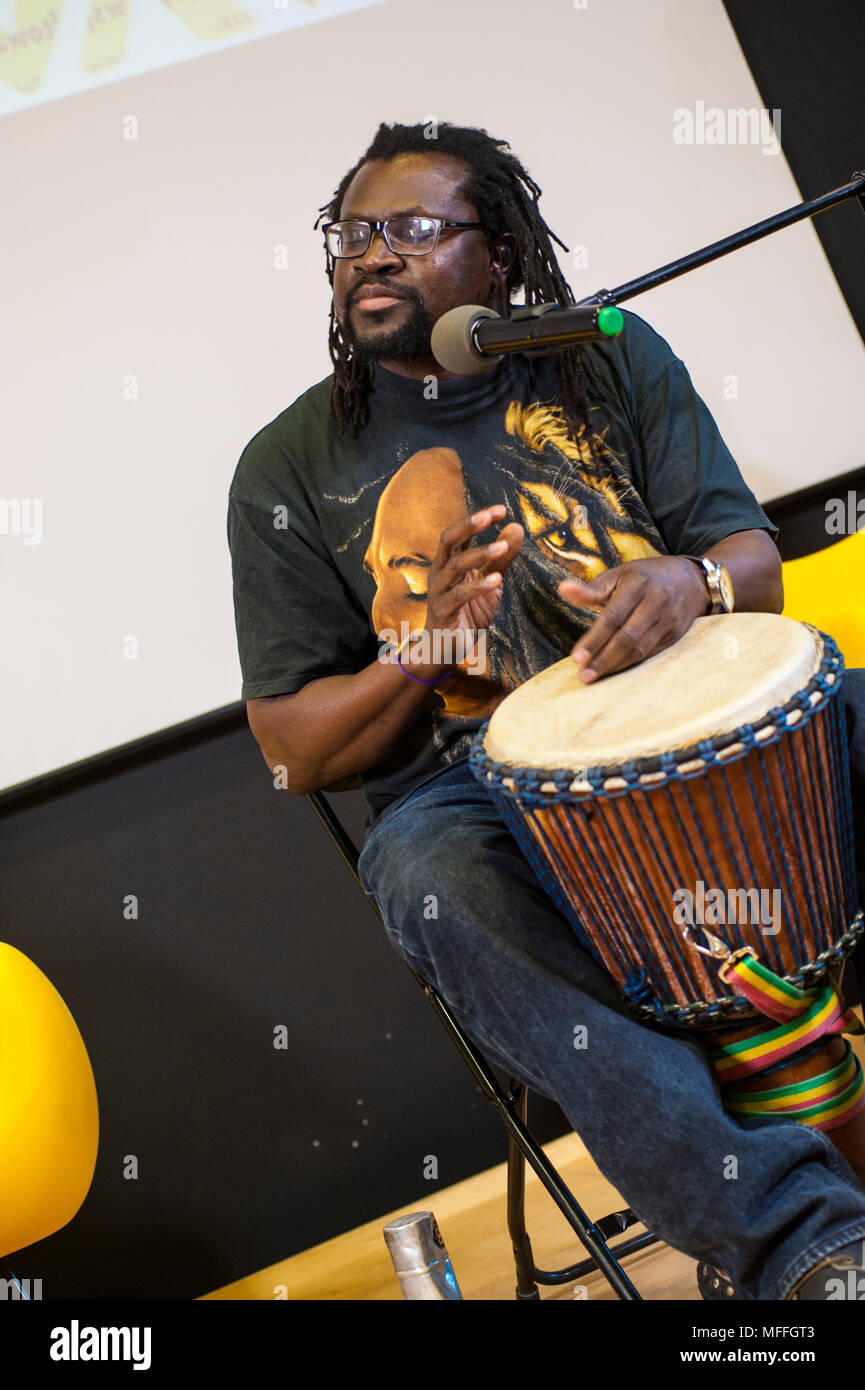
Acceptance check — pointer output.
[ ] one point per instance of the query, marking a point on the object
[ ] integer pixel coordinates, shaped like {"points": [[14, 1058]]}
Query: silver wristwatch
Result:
{"points": [[718, 581]]}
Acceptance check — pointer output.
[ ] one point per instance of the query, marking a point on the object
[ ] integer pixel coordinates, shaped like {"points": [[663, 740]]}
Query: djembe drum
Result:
{"points": [[691, 818]]}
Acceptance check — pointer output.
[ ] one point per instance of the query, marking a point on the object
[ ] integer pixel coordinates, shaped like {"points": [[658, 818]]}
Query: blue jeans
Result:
{"points": [[761, 1198]]}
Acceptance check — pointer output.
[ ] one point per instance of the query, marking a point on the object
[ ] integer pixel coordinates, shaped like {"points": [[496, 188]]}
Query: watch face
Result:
{"points": [[726, 585]]}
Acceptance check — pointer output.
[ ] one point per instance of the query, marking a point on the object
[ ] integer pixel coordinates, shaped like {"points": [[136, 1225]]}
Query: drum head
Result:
{"points": [[729, 669]]}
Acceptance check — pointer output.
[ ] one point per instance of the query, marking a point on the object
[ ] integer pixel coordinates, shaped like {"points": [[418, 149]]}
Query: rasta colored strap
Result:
{"points": [[804, 1015], [822, 1101]]}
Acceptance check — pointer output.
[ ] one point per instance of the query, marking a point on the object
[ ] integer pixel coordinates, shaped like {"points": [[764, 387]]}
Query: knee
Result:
{"points": [[439, 879]]}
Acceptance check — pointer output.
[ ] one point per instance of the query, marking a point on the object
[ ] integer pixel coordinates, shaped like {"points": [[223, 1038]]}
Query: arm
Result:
{"points": [[338, 725], [295, 623], [754, 565]]}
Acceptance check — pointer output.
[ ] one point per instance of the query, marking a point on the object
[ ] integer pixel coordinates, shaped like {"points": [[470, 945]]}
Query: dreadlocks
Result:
{"points": [[506, 199]]}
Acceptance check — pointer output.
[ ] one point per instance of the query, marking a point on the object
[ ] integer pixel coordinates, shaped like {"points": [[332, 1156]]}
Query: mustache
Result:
{"points": [[385, 288]]}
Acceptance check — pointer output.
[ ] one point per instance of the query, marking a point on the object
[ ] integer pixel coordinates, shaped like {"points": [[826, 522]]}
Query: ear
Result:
{"points": [[503, 252]]}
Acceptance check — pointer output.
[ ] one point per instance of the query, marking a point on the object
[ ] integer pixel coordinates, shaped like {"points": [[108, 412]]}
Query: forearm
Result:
{"points": [[754, 566], [340, 725]]}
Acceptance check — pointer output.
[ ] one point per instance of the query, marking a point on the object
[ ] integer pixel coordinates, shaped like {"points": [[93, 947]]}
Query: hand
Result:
{"points": [[465, 581], [646, 606]]}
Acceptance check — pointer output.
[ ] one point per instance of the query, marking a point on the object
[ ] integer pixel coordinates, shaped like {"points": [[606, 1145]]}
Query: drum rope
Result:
{"points": [[823, 1102]]}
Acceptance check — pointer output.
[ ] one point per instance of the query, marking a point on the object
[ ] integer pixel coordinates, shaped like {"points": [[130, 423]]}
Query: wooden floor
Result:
{"points": [[472, 1217]]}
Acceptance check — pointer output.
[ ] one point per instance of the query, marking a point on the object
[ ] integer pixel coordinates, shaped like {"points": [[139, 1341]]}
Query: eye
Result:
{"points": [[562, 540], [412, 233], [558, 538], [414, 572]]}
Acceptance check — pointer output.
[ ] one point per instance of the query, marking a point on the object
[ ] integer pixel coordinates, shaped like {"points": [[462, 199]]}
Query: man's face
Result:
{"points": [[425, 495], [459, 271]]}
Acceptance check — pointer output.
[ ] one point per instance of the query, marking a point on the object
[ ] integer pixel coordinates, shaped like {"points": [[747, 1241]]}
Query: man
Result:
{"points": [[550, 506]]}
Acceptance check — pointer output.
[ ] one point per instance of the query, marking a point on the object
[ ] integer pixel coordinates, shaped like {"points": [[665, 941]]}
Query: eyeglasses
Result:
{"points": [[405, 236]]}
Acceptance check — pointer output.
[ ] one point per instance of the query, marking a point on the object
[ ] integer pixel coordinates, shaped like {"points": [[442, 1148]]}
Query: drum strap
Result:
{"points": [[822, 1101]]}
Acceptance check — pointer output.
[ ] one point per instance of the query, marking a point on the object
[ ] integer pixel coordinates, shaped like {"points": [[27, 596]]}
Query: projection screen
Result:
{"points": [[165, 293]]}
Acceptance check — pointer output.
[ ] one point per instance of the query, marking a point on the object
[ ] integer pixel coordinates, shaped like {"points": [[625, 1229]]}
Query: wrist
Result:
{"points": [[716, 578], [699, 584], [414, 659]]}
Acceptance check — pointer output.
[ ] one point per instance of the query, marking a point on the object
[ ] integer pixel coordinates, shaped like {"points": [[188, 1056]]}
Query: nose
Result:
{"points": [[377, 254]]}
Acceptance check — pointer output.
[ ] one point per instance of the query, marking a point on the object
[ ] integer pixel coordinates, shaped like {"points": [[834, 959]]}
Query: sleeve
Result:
{"points": [[295, 617], [691, 485]]}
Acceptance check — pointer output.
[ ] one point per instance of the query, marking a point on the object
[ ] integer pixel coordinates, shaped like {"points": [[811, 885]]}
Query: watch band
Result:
{"points": [[712, 572]]}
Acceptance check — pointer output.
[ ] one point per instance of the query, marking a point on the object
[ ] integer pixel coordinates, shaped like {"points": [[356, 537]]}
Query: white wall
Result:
{"points": [[153, 258]]}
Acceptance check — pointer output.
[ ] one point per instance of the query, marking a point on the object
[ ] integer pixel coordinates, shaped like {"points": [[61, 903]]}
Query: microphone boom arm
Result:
{"points": [[854, 189], [472, 338]]}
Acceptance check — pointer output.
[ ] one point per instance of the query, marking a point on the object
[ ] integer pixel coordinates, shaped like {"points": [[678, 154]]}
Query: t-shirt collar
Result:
{"points": [[458, 390]]}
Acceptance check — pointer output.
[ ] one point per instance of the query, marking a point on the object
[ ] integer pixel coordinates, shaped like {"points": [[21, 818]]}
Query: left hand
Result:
{"points": [[646, 606]]}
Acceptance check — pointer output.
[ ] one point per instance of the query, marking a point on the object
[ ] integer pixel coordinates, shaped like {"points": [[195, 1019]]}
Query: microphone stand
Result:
{"points": [[854, 189]]}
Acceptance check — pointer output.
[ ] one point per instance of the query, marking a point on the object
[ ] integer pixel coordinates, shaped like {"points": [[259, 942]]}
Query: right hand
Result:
{"points": [[465, 581]]}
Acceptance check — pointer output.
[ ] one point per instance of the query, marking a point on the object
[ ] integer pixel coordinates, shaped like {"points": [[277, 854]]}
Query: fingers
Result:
{"points": [[457, 557], [496, 557], [513, 534], [632, 644], [591, 593], [462, 572], [455, 597], [634, 621], [458, 535], [620, 593]]}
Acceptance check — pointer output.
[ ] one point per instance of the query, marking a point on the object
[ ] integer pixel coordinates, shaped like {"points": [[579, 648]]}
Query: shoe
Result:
{"points": [[714, 1286], [840, 1275]]}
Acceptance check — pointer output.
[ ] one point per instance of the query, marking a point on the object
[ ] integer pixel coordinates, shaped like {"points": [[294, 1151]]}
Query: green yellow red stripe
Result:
{"points": [[824, 1101]]}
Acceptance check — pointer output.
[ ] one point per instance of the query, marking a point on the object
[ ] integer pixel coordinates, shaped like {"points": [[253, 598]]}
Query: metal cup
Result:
{"points": [[420, 1258]]}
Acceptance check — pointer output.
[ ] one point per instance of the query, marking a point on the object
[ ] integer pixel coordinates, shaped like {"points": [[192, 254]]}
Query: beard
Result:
{"points": [[403, 344]]}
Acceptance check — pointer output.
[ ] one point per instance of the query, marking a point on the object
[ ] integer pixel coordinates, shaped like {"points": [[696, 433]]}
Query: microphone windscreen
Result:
{"points": [[451, 340]]}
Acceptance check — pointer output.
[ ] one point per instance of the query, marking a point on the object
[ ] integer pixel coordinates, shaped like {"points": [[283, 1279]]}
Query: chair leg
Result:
{"points": [[523, 1258], [589, 1232]]}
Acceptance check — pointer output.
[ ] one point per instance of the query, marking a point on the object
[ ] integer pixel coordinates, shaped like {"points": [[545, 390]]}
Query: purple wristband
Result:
{"points": [[419, 679]]}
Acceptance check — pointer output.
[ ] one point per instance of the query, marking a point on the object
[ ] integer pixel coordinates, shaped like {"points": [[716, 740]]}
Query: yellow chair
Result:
{"points": [[49, 1117], [827, 589]]}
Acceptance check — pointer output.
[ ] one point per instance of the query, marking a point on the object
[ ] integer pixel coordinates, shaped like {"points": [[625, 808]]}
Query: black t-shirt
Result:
{"points": [[332, 537]]}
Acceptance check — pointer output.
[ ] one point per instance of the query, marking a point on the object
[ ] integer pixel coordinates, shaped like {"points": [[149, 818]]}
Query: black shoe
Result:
{"points": [[714, 1286], [840, 1275]]}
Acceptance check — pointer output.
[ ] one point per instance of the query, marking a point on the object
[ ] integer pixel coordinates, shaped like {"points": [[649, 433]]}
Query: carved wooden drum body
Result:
{"points": [[691, 818]]}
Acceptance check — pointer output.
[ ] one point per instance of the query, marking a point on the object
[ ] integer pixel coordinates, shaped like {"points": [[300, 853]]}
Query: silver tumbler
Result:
{"points": [[420, 1259]]}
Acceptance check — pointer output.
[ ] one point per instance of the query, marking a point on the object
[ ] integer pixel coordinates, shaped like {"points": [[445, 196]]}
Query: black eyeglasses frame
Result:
{"points": [[383, 226]]}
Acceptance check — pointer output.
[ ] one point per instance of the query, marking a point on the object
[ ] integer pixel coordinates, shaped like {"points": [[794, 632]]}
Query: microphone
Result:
{"points": [[472, 338]]}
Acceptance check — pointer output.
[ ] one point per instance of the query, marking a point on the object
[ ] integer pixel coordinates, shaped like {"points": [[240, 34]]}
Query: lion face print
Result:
{"points": [[580, 513]]}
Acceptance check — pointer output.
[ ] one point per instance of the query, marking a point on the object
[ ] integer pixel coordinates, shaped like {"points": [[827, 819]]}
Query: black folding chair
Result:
{"points": [[521, 1143]]}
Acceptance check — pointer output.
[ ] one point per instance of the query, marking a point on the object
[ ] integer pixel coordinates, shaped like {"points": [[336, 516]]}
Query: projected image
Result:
{"points": [[54, 50]]}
